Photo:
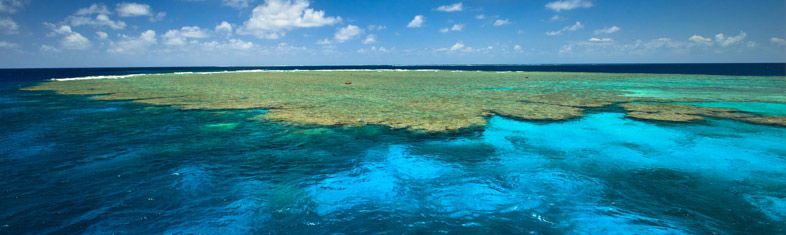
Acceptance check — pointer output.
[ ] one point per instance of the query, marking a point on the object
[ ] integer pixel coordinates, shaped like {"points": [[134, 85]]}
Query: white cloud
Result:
{"points": [[94, 9], [138, 9], [224, 27], [569, 5], [370, 39], [600, 39], [501, 22], [231, 44], [75, 41], [8, 45], [607, 30], [48, 49], [556, 18], [376, 27], [71, 40], [347, 33], [179, 37], [778, 41], [273, 19], [455, 27], [102, 35], [517, 47], [8, 26], [698, 39], [239, 4], [451, 8], [480, 17], [324, 41], [159, 16], [724, 41], [10, 6], [417, 22], [457, 46], [573, 27], [95, 15], [133, 9], [373, 49], [134, 44]]}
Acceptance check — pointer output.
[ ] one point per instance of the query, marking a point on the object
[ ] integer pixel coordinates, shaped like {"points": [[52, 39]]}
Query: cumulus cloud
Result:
{"points": [[46, 49], [8, 26], [102, 35], [8, 45], [455, 27], [565, 5], [179, 37], [417, 22], [480, 17], [138, 9], [607, 30], [133, 9], [459, 46], [70, 40], [224, 27], [501, 22], [517, 48], [10, 6], [778, 41], [95, 15], [130, 45], [375, 27], [274, 18], [573, 27], [698, 39], [725, 41], [324, 41], [231, 44], [721, 40], [600, 39], [239, 4], [451, 8], [720, 44], [347, 33], [370, 39]]}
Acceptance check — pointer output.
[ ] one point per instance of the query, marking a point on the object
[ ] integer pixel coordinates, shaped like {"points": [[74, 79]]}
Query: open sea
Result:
{"points": [[72, 165]]}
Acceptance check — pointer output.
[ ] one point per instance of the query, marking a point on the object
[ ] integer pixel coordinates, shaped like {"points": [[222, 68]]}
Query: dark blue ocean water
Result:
{"points": [[750, 69], [74, 165]]}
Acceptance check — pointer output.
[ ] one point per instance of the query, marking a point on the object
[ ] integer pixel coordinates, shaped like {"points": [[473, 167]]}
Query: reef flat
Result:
{"points": [[438, 101]]}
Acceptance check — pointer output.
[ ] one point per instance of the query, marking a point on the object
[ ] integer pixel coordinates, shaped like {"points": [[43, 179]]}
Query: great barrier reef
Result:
{"points": [[393, 117], [405, 150]]}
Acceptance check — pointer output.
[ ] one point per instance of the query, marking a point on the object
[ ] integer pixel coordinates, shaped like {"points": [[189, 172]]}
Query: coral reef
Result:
{"points": [[436, 101]]}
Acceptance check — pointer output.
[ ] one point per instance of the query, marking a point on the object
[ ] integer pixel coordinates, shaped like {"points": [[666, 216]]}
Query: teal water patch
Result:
{"points": [[222, 126]]}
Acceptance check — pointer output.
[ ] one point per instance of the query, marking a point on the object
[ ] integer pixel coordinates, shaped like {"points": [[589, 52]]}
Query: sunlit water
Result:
{"points": [[74, 165]]}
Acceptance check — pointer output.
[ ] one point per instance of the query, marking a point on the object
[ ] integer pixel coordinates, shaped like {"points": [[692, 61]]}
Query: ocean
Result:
{"points": [[70, 165]]}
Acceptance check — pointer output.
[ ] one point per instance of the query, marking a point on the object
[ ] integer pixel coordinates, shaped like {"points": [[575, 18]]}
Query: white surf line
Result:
{"points": [[247, 71]]}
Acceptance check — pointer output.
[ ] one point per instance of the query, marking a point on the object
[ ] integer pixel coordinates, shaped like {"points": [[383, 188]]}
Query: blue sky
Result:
{"points": [[36, 33]]}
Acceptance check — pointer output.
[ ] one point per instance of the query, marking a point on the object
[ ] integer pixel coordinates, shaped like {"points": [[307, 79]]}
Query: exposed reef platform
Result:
{"points": [[438, 101]]}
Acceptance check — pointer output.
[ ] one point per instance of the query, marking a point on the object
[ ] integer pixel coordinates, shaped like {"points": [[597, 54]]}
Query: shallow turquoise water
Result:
{"points": [[73, 165]]}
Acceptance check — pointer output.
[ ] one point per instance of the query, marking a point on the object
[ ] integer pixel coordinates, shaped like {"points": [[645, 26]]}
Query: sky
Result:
{"points": [[130, 33]]}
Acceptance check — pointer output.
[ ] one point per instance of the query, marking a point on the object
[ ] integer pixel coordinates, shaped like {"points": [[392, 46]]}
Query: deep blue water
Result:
{"points": [[74, 165], [749, 69]]}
